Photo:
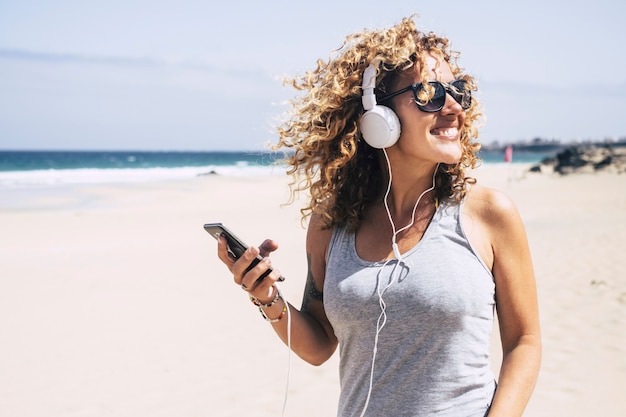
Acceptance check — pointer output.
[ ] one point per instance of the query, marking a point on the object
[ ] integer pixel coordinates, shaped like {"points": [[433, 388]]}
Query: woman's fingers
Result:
{"points": [[223, 254], [252, 271], [260, 280], [268, 246]]}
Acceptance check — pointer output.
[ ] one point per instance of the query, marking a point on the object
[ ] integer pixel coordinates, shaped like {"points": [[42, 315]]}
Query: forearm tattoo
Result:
{"points": [[310, 292]]}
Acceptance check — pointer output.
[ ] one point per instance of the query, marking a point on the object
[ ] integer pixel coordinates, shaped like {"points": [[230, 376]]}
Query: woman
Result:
{"points": [[407, 257]]}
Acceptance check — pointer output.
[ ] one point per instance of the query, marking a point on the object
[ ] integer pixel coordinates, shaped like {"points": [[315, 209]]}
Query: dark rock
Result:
{"points": [[212, 172], [586, 159]]}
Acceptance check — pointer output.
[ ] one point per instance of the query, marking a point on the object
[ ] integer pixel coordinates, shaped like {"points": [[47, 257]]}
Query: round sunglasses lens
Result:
{"points": [[462, 95], [436, 102]]}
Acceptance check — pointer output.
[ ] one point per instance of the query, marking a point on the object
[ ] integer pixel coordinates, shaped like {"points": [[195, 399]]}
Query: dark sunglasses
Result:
{"points": [[458, 90]]}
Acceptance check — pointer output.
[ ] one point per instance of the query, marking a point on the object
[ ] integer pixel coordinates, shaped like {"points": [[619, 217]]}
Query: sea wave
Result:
{"points": [[54, 177]]}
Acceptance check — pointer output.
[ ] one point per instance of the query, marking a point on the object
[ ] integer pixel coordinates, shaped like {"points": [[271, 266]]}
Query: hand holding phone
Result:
{"points": [[236, 246]]}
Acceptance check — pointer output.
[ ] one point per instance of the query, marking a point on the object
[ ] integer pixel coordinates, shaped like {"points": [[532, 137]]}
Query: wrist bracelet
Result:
{"points": [[282, 313], [259, 304], [277, 296]]}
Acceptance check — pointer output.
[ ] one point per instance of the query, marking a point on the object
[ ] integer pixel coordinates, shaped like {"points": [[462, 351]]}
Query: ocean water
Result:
{"points": [[49, 168], [45, 169]]}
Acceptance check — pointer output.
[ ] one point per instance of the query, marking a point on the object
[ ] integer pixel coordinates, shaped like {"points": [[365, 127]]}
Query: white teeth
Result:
{"points": [[450, 132]]}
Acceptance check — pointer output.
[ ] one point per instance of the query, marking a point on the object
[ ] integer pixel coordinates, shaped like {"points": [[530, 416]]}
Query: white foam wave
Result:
{"points": [[21, 179]]}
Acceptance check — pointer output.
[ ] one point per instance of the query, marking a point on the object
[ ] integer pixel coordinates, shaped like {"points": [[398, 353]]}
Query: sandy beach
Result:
{"points": [[113, 302]]}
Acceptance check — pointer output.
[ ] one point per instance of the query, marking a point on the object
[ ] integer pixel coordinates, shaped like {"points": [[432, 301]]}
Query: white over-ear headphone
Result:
{"points": [[380, 126]]}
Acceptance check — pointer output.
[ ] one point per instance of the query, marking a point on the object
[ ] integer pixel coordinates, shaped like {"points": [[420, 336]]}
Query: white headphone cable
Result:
{"points": [[288, 349], [396, 251], [394, 245]]}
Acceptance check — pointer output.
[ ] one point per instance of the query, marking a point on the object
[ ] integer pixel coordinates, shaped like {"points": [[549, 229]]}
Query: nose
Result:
{"points": [[451, 106]]}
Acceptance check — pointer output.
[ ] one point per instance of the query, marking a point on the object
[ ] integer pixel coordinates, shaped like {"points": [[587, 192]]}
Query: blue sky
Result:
{"points": [[193, 75]]}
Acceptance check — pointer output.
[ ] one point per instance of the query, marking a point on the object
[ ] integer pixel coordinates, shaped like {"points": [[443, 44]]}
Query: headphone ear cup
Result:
{"points": [[380, 127]]}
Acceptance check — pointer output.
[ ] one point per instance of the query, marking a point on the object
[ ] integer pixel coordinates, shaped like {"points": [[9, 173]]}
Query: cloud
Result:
{"points": [[23, 55], [124, 61]]}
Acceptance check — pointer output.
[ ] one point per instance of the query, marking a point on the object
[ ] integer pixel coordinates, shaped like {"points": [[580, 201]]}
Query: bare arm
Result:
{"points": [[516, 303], [312, 337]]}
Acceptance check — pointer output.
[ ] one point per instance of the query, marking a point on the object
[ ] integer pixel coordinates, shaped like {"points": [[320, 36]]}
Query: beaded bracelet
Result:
{"points": [[282, 313], [257, 303]]}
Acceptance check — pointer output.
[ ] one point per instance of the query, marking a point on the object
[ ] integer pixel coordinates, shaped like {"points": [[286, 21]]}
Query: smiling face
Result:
{"points": [[429, 137]]}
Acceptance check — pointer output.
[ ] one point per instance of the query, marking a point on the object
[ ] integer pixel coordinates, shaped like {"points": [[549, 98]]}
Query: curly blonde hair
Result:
{"points": [[322, 141]]}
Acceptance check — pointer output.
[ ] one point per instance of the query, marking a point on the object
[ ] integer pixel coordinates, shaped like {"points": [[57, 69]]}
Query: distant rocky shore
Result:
{"points": [[585, 159]]}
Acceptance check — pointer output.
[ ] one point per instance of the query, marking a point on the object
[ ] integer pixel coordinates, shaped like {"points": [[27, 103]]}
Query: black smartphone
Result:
{"points": [[236, 246]]}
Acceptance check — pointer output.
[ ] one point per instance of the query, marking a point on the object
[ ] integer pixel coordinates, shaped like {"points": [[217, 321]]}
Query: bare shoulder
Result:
{"points": [[491, 206], [502, 227], [318, 237]]}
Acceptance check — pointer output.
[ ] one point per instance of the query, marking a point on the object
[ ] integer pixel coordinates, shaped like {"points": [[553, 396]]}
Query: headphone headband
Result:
{"points": [[369, 83], [379, 125]]}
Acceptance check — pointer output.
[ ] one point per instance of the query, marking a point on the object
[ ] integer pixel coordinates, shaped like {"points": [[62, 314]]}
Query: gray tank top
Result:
{"points": [[433, 352]]}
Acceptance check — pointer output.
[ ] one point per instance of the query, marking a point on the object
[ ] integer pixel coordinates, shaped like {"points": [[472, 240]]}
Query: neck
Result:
{"points": [[409, 186], [404, 194]]}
